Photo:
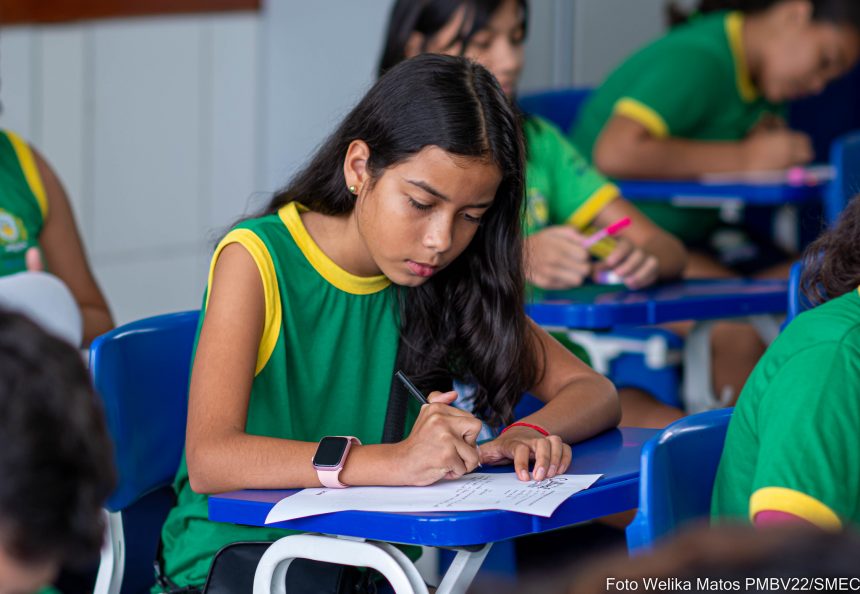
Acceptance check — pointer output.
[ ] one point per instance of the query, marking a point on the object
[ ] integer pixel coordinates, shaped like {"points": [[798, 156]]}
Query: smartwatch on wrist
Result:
{"points": [[330, 457]]}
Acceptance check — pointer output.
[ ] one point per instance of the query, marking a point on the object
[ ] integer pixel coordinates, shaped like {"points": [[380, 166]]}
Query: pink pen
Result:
{"points": [[612, 229]]}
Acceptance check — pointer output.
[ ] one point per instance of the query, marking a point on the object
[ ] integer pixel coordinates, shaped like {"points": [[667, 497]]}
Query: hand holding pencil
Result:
{"points": [[442, 443]]}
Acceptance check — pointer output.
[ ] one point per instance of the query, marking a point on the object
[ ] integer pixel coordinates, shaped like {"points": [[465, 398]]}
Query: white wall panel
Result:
{"points": [[147, 100], [152, 283], [607, 31], [233, 149], [18, 62], [320, 58], [65, 122]]}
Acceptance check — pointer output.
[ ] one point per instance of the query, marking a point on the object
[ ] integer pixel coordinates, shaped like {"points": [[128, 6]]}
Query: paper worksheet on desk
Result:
{"points": [[477, 491]]}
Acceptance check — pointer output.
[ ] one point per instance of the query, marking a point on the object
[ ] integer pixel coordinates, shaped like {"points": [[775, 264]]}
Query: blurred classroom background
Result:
{"points": [[167, 128]]}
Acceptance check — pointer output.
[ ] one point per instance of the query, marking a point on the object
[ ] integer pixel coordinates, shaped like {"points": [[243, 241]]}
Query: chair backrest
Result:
{"points": [[559, 106], [797, 301], [678, 468], [845, 158], [141, 372]]}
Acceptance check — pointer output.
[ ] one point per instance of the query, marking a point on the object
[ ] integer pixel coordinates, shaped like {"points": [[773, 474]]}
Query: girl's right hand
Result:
{"points": [[442, 444], [555, 258], [776, 149]]}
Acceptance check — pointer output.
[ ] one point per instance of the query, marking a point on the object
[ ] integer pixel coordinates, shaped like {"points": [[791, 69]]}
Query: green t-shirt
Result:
{"points": [[23, 204], [561, 187], [324, 367], [693, 83], [792, 444]]}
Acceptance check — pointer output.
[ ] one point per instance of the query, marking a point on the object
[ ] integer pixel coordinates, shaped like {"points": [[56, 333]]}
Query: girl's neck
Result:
{"points": [[756, 31], [339, 238]]}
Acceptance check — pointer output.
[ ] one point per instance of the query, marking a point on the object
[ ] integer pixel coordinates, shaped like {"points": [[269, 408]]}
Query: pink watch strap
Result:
{"points": [[330, 477]]}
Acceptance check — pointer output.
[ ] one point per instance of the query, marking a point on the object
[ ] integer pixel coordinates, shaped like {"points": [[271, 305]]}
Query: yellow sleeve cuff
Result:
{"points": [[272, 325], [589, 210], [27, 160], [639, 112], [796, 503]]}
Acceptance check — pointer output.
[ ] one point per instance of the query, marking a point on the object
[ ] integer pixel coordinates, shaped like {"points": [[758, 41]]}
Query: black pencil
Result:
{"points": [[410, 387]]}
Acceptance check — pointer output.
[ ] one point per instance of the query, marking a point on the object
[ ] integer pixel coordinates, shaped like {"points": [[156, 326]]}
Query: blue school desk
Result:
{"points": [[701, 301], [690, 193], [362, 538]]}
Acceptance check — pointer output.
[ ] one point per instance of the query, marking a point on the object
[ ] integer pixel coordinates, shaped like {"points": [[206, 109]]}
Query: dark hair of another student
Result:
{"points": [[467, 321], [831, 264], [834, 11], [428, 17], [56, 458]]}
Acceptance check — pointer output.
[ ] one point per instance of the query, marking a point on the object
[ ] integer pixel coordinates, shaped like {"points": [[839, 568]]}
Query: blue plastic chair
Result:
{"points": [[559, 106], [677, 476], [797, 301], [845, 158], [141, 372]]}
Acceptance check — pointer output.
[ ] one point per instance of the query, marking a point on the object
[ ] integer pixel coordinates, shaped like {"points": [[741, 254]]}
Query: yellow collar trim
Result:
{"points": [[325, 266], [735, 33]]}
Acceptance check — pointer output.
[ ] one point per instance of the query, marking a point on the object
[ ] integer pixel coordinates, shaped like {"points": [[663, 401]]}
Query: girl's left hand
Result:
{"points": [[520, 444], [636, 267]]}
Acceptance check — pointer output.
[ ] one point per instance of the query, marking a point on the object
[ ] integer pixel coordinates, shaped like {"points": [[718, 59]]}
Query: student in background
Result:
{"points": [[38, 232], [399, 241], [791, 450], [709, 98], [565, 198], [56, 467]]}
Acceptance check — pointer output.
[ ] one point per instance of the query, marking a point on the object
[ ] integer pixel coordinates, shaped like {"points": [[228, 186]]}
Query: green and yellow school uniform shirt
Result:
{"points": [[792, 444], [692, 83], [561, 187], [324, 367], [23, 204]]}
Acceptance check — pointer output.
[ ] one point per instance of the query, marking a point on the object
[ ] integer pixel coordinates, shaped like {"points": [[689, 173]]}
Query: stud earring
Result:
{"points": [[352, 189]]}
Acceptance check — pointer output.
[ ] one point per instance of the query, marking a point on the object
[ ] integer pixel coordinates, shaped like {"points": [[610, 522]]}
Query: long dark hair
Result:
{"points": [[468, 321], [831, 264], [428, 17], [834, 11]]}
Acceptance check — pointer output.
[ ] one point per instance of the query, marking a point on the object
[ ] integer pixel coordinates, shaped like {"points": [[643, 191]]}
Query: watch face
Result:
{"points": [[330, 451]]}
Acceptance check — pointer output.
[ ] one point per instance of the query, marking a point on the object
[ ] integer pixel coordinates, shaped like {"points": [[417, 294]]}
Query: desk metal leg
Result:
{"points": [[112, 562], [383, 557], [463, 570], [698, 391]]}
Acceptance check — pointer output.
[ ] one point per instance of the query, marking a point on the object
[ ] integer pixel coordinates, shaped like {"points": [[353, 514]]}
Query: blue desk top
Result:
{"points": [[596, 307], [754, 194], [614, 453]]}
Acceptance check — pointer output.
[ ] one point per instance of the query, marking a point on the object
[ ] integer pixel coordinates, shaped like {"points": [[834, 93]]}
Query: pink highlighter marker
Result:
{"points": [[612, 229]]}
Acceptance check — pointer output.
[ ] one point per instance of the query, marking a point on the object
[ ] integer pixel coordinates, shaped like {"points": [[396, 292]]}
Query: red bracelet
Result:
{"points": [[537, 428]]}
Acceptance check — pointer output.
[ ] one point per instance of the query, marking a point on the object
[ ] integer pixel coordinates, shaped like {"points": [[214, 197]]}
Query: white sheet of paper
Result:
{"points": [[477, 491]]}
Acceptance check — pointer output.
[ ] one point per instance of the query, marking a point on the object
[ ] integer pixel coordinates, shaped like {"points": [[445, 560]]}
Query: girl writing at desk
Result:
{"points": [[400, 240]]}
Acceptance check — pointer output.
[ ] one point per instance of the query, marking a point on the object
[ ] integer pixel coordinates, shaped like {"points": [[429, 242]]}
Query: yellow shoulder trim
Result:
{"points": [[272, 325], [638, 111], [325, 266], [31, 171], [589, 209], [735, 33], [796, 503]]}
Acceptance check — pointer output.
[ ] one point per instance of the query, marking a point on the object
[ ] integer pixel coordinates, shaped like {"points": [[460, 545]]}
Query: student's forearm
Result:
{"points": [[670, 253], [244, 461], [669, 158], [584, 408], [96, 320]]}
